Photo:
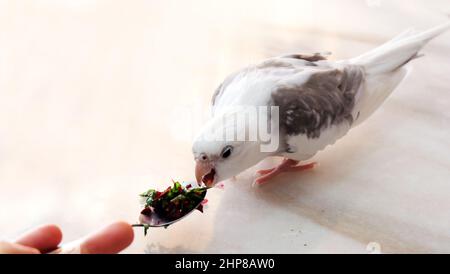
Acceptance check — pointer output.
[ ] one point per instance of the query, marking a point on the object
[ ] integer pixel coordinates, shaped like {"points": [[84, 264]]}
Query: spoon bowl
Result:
{"points": [[156, 220]]}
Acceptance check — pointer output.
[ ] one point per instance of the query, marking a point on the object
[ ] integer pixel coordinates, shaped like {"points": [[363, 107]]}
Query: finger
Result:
{"points": [[109, 240], [12, 248], [44, 238]]}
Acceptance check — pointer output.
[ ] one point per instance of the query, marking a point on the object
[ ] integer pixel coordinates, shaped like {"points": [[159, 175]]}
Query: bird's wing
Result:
{"points": [[284, 65], [309, 107]]}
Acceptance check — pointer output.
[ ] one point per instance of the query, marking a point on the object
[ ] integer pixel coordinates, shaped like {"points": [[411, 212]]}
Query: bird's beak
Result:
{"points": [[205, 172]]}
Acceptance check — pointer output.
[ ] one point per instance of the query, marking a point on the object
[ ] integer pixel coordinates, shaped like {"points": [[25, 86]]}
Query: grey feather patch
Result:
{"points": [[274, 63], [326, 98], [309, 57], [216, 94], [291, 149]]}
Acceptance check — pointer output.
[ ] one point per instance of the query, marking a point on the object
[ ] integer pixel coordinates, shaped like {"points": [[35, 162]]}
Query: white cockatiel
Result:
{"points": [[319, 101]]}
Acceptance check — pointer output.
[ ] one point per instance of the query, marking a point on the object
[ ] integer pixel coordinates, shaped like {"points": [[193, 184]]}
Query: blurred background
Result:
{"points": [[91, 100]]}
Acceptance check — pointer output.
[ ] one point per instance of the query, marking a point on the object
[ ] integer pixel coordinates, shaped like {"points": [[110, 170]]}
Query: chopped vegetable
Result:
{"points": [[171, 204]]}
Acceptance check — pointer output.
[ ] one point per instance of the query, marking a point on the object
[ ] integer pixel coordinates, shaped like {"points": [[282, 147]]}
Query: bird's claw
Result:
{"points": [[286, 166]]}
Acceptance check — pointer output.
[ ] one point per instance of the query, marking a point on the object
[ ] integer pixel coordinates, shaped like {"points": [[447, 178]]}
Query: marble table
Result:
{"points": [[99, 101]]}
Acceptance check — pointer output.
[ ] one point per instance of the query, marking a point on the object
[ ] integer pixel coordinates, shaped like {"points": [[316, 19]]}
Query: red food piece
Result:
{"points": [[146, 211], [160, 194], [204, 202]]}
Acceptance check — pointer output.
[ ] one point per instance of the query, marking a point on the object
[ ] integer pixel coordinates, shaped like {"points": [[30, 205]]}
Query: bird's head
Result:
{"points": [[218, 159]]}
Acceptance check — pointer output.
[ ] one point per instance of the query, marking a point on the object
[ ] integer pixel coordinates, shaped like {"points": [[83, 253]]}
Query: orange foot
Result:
{"points": [[287, 165]]}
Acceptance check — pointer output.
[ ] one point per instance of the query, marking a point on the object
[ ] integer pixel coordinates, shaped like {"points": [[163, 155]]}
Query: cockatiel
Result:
{"points": [[318, 102]]}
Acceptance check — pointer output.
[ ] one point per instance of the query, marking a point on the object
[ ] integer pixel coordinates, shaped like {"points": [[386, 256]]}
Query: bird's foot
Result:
{"points": [[287, 165]]}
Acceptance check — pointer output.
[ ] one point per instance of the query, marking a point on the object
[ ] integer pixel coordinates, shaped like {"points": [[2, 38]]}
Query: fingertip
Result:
{"points": [[111, 239], [43, 238], [54, 231], [125, 230]]}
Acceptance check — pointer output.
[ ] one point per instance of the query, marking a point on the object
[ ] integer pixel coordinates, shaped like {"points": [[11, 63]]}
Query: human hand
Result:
{"points": [[45, 239]]}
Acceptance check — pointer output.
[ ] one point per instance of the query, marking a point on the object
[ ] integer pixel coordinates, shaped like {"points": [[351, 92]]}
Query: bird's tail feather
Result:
{"points": [[398, 51], [385, 68]]}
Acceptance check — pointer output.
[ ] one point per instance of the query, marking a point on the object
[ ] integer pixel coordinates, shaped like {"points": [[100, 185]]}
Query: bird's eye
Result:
{"points": [[227, 152]]}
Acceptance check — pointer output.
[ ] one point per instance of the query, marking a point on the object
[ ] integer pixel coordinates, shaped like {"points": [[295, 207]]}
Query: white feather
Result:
{"points": [[397, 52], [385, 68]]}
